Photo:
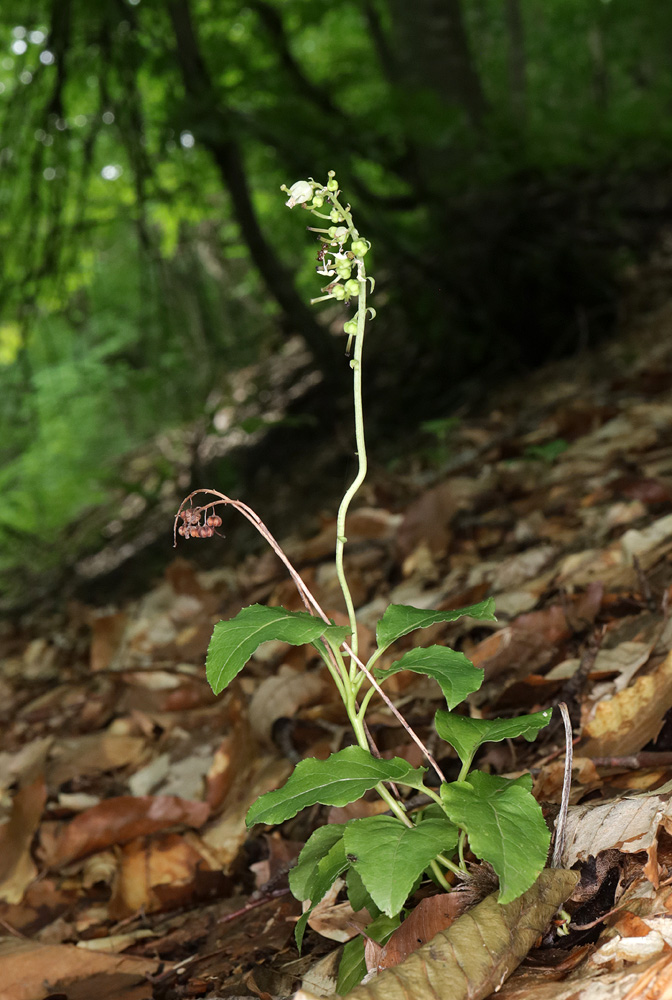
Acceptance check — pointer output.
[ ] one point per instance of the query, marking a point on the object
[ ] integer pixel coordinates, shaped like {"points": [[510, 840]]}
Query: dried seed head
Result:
{"points": [[214, 521]]}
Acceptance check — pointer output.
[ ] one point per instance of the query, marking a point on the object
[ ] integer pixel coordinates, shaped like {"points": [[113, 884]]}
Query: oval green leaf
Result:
{"points": [[342, 778], [233, 642], [391, 856], [455, 674], [505, 827]]}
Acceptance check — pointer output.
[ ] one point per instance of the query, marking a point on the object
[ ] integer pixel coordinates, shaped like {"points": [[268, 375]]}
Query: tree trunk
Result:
{"points": [[217, 136], [434, 53], [517, 59]]}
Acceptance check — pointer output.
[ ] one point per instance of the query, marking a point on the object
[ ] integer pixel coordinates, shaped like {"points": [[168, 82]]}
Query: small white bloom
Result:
{"points": [[299, 192]]}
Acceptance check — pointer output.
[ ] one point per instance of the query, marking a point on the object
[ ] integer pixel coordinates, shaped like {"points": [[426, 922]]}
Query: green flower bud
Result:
{"points": [[352, 287], [332, 184], [360, 248], [318, 201], [350, 327], [331, 232], [338, 292], [343, 271]]}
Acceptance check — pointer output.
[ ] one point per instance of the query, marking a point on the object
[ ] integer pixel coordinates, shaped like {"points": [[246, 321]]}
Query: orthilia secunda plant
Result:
{"points": [[382, 858]]}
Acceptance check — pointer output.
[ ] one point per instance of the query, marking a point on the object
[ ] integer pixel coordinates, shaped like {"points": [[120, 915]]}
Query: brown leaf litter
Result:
{"points": [[126, 868]]}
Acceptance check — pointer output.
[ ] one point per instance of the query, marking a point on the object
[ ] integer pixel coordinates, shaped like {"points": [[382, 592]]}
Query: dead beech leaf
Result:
{"points": [[336, 921], [429, 517], [281, 696], [17, 869], [118, 820], [75, 756], [107, 634], [632, 718], [629, 824], [169, 860], [31, 970], [478, 953], [430, 916]]}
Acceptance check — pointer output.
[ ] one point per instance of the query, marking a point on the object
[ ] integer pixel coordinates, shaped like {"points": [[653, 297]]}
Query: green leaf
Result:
{"points": [[400, 619], [391, 856], [329, 868], [505, 826], [466, 735], [303, 875], [342, 778], [233, 642], [455, 674], [358, 895], [352, 967]]}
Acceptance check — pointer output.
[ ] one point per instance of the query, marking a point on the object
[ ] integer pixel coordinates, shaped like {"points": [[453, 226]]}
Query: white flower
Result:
{"points": [[299, 192]]}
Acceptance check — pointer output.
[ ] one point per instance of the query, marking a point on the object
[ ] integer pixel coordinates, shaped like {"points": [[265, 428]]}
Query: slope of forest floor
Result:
{"points": [[126, 868]]}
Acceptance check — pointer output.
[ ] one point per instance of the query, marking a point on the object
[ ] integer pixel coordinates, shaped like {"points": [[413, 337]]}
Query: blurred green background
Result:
{"points": [[509, 160]]}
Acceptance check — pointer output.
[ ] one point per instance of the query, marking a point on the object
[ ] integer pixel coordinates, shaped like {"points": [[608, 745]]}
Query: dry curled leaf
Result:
{"points": [[478, 953]]}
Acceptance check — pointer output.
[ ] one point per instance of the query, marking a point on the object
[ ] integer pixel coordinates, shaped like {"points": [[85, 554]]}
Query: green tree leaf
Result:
{"points": [[233, 642], [391, 856], [342, 778], [466, 735], [303, 875], [328, 869], [455, 674], [505, 827], [400, 619]]}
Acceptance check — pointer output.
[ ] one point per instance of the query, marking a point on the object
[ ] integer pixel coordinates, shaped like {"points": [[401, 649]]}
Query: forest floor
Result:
{"points": [[126, 868]]}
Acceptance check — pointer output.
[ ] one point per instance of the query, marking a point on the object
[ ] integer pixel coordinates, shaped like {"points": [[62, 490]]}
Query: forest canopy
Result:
{"points": [[508, 158]]}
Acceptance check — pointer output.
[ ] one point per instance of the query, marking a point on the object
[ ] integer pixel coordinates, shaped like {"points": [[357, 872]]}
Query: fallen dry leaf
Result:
{"points": [[118, 820], [632, 718], [478, 953], [430, 916], [31, 971], [629, 823], [17, 869], [146, 865]]}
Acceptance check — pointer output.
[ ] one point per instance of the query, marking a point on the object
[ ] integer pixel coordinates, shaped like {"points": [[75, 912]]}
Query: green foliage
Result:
{"points": [[390, 857], [342, 778], [383, 857], [467, 735], [504, 824], [352, 968], [455, 674], [547, 452], [400, 619], [144, 253], [233, 642]]}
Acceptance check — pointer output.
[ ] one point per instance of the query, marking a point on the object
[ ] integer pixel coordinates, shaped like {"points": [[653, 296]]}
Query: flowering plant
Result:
{"points": [[383, 857]]}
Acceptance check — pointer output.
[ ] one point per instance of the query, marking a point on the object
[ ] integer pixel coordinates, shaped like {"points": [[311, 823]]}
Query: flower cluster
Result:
{"points": [[340, 256], [193, 527]]}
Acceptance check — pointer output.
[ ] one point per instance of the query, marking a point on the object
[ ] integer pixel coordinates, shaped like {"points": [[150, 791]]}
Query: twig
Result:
{"points": [[252, 904], [561, 823]]}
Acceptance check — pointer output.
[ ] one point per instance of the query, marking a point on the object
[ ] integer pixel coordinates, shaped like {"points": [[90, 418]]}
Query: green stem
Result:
{"points": [[335, 666], [341, 539]]}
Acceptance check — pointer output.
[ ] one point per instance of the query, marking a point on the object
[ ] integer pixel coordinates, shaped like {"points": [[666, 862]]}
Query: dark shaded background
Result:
{"points": [[508, 159]]}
